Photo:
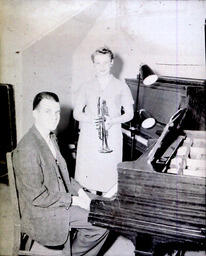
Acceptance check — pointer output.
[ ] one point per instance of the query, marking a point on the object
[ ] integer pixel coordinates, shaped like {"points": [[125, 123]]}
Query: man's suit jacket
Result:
{"points": [[44, 199]]}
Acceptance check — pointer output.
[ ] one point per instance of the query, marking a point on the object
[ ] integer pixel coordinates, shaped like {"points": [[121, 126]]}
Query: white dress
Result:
{"points": [[95, 170]]}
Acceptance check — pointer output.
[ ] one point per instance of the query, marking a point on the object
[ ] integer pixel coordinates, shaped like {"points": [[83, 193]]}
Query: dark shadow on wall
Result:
{"points": [[67, 134], [117, 66], [64, 121]]}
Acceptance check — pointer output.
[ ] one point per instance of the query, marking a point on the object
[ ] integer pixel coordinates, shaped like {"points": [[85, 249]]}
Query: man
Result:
{"points": [[50, 203]]}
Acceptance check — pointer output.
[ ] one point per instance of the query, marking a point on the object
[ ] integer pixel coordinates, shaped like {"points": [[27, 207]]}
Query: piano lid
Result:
{"points": [[168, 134]]}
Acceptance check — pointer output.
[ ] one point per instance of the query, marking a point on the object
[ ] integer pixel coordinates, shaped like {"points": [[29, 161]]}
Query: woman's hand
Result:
{"points": [[98, 122], [108, 123]]}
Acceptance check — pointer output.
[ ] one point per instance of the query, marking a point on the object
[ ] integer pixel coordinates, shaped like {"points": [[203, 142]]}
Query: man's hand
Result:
{"points": [[83, 194], [82, 200], [112, 191]]}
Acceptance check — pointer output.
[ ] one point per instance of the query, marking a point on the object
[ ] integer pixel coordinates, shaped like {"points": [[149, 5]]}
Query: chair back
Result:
{"points": [[13, 189]]}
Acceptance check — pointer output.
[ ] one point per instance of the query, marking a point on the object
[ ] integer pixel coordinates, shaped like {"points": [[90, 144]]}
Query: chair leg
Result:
{"points": [[29, 244], [180, 253], [17, 240]]}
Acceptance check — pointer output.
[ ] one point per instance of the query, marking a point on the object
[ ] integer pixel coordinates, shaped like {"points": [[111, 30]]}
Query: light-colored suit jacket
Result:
{"points": [[44, 190]]}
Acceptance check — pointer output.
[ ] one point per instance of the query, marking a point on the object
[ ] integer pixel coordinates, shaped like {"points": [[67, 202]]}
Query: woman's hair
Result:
{"points": [[44, 95], [103, 50]]}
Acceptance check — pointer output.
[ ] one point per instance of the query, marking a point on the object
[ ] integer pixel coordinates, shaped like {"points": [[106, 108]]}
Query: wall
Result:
{"points": [[47, 63], [49, 46], [167, 35], [34, 21]]}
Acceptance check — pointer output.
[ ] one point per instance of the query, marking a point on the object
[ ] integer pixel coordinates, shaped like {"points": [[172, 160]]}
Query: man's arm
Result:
{"points": [[30, 181]]}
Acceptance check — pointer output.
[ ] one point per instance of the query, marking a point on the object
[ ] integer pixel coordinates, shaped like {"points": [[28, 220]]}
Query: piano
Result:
{"points": [[161, 100], [160, 203]]}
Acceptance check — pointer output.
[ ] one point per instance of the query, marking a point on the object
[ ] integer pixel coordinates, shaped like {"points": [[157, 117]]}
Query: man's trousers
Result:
{"points": [[88, 239]]}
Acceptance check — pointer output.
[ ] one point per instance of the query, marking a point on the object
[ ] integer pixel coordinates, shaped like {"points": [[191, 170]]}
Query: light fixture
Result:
{"points": [[146, 119], [147, 75]]}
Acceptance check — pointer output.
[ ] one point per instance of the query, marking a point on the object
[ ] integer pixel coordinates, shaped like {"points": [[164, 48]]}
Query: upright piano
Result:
{"points": [[162, 100], [160, 203]]}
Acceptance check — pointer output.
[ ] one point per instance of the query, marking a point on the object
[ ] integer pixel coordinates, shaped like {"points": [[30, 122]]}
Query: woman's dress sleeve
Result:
{"points": [[126, 99], [80, 104]]}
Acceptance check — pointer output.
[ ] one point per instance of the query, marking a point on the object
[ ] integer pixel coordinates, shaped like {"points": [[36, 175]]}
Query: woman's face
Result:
{"points": [[102, 64]]}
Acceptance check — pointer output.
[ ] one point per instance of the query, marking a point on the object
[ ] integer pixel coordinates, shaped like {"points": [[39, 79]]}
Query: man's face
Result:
{"points": [[102, 64], [47, 114]]}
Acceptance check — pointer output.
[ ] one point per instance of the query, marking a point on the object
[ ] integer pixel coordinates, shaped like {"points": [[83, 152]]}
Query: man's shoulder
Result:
{"points": [[27, 141]]}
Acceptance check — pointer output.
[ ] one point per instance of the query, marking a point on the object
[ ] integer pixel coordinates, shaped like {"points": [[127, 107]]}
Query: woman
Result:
{"points": [[98, 109]]}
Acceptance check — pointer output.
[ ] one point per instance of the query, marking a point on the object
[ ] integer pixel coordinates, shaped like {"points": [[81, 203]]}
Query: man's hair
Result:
{"points": [[102, 50], [44, 95]]}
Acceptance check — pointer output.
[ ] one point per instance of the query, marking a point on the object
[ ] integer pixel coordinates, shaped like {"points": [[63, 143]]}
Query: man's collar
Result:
{"points": [[42, 133]]}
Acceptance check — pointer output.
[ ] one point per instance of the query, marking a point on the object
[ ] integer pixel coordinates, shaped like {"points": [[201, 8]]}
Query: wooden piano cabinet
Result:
{"points": [[161, 100], [159, 211]]}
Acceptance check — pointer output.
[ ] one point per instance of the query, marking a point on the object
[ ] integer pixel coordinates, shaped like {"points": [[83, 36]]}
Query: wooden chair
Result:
{"points": [[22, 244]]}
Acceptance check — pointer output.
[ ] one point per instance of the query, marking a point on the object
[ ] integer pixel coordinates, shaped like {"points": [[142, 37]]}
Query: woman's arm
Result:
{"points": [[127, 116], [79, 113], [127, 104], [81, 101]]}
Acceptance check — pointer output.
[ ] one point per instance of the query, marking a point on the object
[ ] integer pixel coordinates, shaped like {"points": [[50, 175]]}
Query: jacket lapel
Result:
{"points": [[46, 152]]}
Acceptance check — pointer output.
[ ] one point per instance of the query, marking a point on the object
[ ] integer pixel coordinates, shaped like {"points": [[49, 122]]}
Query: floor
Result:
{"points": [[122, 246]]}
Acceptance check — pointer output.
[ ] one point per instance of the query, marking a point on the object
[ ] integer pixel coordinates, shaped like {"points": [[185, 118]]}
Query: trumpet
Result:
{"points": [[102, 112]]}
